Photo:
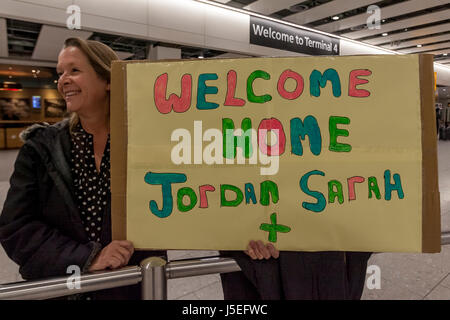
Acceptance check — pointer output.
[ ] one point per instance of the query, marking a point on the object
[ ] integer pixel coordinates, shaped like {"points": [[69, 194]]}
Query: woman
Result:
{"points": [[269, 274], [57, 211]]}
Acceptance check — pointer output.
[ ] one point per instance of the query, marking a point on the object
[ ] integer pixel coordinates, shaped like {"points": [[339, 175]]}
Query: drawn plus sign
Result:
{"points": [[274, 228]]}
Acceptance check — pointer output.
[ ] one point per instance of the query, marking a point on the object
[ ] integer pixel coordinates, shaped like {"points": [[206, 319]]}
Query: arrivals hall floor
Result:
{"points": [[403, 276]]}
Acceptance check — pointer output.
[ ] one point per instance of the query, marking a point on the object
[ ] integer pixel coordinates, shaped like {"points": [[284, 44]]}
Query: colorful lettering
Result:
{"points": [[269, 187], [321, 203], [203, 90], [351, 186], [335, 132], [165, 180], [373, 188], [230, 99], [250, 93], [289, 74], [250, 193], [178, 104], [397, 186], [192, 197], [268, 125], [332, 194], [309, 128], [230, 203], [354, 81], [317, 81], [231, 142], [203, 197]]}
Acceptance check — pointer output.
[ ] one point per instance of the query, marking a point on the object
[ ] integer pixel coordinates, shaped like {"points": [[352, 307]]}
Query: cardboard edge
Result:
{"points": [[119, 137], [431, 220]]}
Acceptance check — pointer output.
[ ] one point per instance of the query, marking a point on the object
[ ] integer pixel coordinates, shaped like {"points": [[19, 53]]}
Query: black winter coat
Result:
{"points": [[327, 275], [40, 225]]}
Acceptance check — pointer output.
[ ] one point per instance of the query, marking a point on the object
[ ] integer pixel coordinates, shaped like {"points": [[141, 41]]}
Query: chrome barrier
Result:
{"points": [[153, 272]]}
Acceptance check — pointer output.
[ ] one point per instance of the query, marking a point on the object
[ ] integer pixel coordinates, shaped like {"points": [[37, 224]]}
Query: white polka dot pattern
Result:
{"points": [[91, 187]]}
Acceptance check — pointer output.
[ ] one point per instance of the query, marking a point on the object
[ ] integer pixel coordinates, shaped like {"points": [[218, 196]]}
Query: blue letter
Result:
{"points": [[389, 187], [317, 80], [321, 202], [300, 129], [166, 180], [203, 89], [250, 193]]}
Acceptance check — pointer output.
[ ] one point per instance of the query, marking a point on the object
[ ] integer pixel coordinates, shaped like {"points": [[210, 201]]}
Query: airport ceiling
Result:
{"points": [[407, 26]]}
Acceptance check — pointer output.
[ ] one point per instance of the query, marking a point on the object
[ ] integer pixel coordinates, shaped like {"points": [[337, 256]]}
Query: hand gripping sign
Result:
{"points": [[310, 153]]}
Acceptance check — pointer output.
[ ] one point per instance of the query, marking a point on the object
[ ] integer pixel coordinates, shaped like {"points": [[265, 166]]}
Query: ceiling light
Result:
{"points": [[33, 71], [385, 34], [335, 18], [419, 46], [445, 54], [406, 29], [200, 57]]}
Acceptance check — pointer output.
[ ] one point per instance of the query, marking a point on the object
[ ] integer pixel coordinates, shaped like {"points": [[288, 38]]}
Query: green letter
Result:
{"points": [[266, 187], [335, 132], [192, 196], [234, 203], [333, 194], [250, 93], [230, 141], [373, 188]]}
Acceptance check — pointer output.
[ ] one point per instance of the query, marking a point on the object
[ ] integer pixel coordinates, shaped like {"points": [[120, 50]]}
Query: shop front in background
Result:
{"points": [[23, 108]]}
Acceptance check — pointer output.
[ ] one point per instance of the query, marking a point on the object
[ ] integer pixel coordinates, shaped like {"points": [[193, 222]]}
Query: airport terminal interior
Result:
{"points": [[32, 33]]}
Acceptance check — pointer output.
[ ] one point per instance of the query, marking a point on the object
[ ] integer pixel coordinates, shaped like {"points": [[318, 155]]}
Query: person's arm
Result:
{"points": [[39, 249]]}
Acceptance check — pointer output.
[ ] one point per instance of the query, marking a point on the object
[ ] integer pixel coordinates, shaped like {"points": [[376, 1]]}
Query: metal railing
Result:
{"points": [[153, 272]]}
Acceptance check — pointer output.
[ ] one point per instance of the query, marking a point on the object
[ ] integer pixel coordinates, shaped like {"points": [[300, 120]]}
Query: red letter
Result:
{"points": [[203, 197], [267, 125], [180, 104], [351, 186], [354, 81], [298, 89], [230, 100]]}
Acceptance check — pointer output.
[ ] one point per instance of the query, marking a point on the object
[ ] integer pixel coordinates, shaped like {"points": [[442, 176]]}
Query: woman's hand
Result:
{"points": [[114, 255], [257, 250]]}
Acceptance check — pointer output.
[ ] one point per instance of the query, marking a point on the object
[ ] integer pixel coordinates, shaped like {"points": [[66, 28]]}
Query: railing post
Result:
{"points": [[154, 280]]}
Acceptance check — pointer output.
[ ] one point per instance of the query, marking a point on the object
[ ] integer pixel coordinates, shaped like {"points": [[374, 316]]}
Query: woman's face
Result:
{"points": [[84, 91]]}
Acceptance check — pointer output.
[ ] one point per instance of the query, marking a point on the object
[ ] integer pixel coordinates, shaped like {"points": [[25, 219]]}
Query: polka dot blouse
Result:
{"points": [[92, 188]]}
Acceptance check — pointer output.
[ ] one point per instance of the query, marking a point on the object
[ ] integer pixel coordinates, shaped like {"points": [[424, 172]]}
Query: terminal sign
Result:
{"points": [[280, 36]]}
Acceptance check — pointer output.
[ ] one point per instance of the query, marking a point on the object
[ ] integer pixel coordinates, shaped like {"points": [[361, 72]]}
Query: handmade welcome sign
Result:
{"points": [[310, 153]]}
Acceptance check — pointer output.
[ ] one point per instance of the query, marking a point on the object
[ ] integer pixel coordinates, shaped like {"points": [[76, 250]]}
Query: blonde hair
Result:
{"points": [[100, 57]]}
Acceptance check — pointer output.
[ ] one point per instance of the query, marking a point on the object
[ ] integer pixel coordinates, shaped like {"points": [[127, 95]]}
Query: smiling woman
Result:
{"points": [[57, 212]]}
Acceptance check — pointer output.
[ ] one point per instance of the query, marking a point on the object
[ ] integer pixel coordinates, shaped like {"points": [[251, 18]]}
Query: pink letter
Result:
{"points": [[267, 125], [351, 186], [203, 197], [179, 104], [298, 89], [230, 100], [354, 81]]}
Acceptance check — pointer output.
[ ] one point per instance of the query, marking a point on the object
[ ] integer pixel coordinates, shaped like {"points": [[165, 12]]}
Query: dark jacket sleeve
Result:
{"points": [[40, 249]]}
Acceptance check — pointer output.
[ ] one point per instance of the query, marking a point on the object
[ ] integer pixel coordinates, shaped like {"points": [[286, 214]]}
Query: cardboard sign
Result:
{"points": [[310, 153]]}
